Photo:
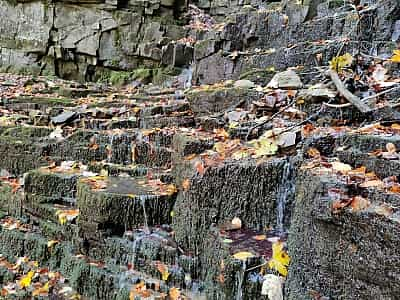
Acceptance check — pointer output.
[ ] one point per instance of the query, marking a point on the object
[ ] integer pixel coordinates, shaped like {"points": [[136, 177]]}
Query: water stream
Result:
{"points": [[286, 191], [239, 281]]}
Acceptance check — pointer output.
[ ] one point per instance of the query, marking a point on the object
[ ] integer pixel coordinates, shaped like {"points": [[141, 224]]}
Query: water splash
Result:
{"points": [[285, 191]]}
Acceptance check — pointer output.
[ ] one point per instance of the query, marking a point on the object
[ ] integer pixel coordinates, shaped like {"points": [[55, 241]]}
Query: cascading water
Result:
{"points": [[286, 191]]}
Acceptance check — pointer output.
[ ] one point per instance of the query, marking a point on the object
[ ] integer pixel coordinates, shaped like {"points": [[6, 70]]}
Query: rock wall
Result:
{"points": [[90, 40]]}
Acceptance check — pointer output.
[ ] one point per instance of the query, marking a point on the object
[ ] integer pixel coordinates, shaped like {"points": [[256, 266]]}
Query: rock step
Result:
{"points": [[91, 278], [340, 237], [222, 190], [111, 205]]}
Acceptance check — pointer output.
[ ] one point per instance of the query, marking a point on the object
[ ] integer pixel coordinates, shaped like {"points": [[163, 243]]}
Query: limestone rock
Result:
{"points": [[244, 83], [285, 80]]}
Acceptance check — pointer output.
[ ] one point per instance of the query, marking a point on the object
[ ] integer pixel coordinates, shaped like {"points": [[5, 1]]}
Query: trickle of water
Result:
{"points": [[239, 281], [286, 189], [143, 199]]}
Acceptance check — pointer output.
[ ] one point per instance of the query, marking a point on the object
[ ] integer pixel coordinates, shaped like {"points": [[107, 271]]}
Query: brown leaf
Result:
{"points": [[339, 204], [200, 167], [359, 203]]}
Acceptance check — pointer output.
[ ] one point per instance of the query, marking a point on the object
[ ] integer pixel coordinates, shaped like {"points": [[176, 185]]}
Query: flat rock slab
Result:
{"points": [[115, 204]]}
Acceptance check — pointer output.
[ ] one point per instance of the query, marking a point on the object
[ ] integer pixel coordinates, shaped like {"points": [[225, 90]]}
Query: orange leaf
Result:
{"points": [[199, 167], [174, 293], [186, 184], [313, 152]]}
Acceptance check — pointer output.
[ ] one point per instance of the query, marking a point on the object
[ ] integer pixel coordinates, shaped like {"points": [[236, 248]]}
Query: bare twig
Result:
{"points": [[381, 93], [269, 119], [353, 99]]}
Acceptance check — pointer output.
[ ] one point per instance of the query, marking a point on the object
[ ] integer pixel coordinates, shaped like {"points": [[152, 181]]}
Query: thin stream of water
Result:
{"points": [[285, 191]]}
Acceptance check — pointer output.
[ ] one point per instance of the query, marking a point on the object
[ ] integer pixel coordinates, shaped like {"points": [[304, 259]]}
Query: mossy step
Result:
{"points": [[110, 205]]}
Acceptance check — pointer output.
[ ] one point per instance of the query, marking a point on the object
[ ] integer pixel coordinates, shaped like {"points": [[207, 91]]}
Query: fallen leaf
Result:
{"points": [[359, 203], [42, 291], [372, 183], [200, 167], [384, 210], [26, 280], [186, 184], [339, 62], [314, 153], [396, 56], [341, 167], [174, 293], [280, 259], [243, 255], [391, 148], [260, 237], [51, 243], [163, 269]]}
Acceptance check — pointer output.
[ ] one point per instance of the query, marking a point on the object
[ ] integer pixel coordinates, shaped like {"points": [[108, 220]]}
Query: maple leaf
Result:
{"points": [[396, 56], [280, 259], [339, 62], [26, 280]]}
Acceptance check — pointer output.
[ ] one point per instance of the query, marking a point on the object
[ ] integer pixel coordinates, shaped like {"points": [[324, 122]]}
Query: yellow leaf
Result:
{"points": [[165, 275], [396, 56], [339, 62], [26, 280], [243, 255], [174, 293], [163, 269], [280, 259]]}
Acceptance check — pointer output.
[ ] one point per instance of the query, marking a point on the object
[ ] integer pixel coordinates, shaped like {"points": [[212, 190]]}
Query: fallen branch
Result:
{"points": [[353, 99]]}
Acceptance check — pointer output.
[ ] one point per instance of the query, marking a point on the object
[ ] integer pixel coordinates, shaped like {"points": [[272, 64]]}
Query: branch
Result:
{"points": [[353, 99]]}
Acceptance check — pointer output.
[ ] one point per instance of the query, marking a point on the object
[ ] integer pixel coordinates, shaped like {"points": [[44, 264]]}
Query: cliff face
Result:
{"points": [[88, 40]]}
